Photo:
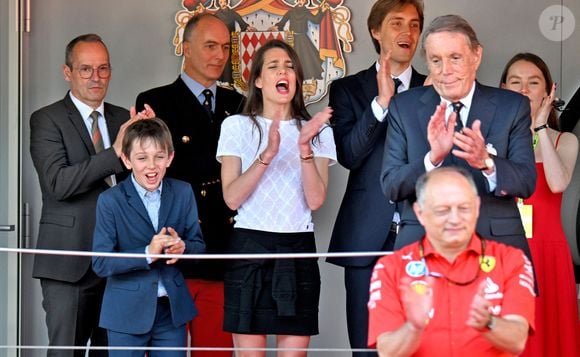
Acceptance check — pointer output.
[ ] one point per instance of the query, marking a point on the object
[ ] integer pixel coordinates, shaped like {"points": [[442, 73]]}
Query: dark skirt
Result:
{"points": [[272, 296]]}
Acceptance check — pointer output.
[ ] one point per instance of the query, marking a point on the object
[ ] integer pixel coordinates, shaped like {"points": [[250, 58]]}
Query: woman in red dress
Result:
{"points": [[557, 326]]}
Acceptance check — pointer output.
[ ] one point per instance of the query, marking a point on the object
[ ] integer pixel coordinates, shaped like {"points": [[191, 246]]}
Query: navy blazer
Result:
{"points": [[195, 138], [365, 215], [123, 225], [505, 124]]}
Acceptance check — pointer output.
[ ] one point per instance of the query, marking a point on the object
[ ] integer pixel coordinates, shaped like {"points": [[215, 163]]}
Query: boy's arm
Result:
{"points": [[105, 239]]}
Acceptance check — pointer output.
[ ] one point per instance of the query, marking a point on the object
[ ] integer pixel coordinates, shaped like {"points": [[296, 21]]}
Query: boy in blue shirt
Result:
{"points": [[146, 301]]}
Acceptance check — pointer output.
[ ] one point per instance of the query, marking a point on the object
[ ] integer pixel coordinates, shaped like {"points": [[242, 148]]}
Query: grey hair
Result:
{"points": [[421, 185], [451, 23]]}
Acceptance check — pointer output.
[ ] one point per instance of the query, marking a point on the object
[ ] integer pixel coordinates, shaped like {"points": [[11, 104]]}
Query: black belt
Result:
{"points": [[163, 300], [394, 227]]}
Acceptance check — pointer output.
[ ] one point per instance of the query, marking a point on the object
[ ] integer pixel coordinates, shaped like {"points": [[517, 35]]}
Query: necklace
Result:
{"points": [[482, 260]]}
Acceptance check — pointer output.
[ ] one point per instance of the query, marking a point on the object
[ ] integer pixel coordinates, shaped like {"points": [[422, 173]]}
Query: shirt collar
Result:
{"points": [[84, 109], [142, 191], [473, 246], [404, 77], [196, 88], [466, 101]]}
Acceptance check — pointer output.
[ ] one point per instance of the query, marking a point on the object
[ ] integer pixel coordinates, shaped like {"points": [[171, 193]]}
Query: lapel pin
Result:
{"points": [[185, 139]]}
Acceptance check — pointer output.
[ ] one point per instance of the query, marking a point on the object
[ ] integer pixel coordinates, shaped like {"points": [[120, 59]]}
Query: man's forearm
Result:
{"points": [[402, 342]]}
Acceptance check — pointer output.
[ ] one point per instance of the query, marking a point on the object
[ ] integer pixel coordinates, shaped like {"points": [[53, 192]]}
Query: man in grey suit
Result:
{"points": [[367, 220], [75, 162], [459, 122]]}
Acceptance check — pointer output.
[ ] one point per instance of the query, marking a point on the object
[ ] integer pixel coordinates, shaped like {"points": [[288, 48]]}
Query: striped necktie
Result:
{"points": [[98, 139]]}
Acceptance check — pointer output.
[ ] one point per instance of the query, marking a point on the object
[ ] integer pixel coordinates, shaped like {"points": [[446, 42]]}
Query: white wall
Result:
{"points": [[139, 34]]}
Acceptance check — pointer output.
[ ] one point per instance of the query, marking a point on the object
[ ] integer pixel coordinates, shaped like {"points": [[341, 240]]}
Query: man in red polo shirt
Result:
{"points": [[452, 292]]}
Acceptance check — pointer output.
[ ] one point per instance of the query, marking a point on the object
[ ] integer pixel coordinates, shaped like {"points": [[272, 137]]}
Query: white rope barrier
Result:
{"points": [[187, 349], [190, 256], [193, 256]]}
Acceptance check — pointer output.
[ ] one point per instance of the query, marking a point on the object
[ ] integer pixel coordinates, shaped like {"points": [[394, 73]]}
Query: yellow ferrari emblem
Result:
{"points": [[487, 263], [420, 287]]}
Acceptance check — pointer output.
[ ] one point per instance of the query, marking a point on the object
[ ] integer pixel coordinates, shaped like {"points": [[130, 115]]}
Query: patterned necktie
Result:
{"points": [[457, 109], [397, 84], [98, 139], [207, 104]]}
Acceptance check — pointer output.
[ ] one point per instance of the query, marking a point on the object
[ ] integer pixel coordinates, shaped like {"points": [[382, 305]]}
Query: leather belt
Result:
{"points": [[394, 227], [163, 300]]}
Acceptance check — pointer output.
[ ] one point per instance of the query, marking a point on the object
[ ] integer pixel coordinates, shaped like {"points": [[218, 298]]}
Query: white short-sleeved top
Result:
{"points": [[278, 203]]}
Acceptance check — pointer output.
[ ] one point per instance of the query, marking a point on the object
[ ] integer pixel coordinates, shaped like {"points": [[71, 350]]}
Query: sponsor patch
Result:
{"points": [[416, 268]]}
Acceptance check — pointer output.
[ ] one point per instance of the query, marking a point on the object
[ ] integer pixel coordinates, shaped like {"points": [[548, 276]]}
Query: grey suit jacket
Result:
{"points": [[505, 124], [71, 178], [365, 215]]}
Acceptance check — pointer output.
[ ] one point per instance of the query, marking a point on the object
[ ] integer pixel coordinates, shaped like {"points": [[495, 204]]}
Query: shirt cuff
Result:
{"points": [[428, 165], [491, 179], [149, 259], [378, 111]]}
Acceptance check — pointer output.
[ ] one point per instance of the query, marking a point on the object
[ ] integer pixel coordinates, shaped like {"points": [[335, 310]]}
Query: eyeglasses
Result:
{"points": [[440, 275], [103, 71]]}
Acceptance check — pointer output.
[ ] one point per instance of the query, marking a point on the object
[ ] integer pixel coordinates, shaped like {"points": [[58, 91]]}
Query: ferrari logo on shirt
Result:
{"points": [[420, 287], [487, 263]]}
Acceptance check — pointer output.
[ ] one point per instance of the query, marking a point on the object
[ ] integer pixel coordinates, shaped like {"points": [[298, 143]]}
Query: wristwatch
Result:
{"points": [[489, 164]]}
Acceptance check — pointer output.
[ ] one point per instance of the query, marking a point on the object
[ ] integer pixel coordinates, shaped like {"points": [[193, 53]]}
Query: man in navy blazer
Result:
{"points": [[492, 138], [146, 213], [366, 220]]}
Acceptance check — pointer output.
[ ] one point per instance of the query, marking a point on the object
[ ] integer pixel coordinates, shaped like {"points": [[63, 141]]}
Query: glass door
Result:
{"points": [[9, 176]]}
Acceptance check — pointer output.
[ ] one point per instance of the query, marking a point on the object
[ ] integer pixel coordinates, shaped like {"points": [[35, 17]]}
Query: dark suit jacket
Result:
{"points": [[123, 225], [505, 124], [71, 178], [195, 139], [365, 215]]}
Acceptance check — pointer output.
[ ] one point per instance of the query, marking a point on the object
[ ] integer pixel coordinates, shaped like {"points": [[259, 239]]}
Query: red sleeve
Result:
{"points": [[386, 311], [519, 296]]}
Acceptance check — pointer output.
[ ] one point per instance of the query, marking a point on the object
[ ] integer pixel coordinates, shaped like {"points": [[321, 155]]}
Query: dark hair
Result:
{"points": [[90, 37], [381, 9], [192, 24], [451, 23], [148, 129], [421, 185], [255, 101], [553, 121]]}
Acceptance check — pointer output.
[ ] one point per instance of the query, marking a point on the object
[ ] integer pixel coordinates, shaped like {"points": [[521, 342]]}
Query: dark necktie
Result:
{"points": [[457, 109], [207, 102], [397, 84], [98, 139]]}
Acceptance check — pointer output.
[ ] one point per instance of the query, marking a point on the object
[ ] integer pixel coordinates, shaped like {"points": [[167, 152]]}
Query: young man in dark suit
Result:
{"points": [[75, 161], [367, 220], [195, 122], [459, 122]]}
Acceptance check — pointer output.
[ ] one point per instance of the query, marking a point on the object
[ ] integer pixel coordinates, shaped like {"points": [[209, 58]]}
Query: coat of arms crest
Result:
{"points": [[319, 31]]}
